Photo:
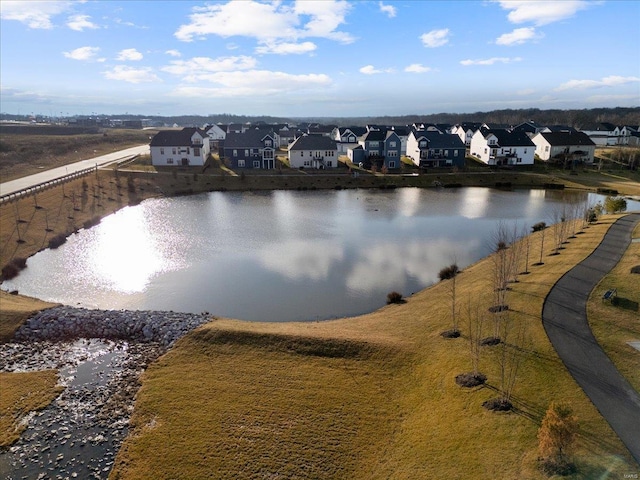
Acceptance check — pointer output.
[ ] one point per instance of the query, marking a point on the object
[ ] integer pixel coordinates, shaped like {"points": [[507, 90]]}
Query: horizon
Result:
{"points": [[305, 59]]}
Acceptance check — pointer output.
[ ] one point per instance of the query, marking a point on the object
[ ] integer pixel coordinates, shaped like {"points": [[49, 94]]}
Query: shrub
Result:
{"points": [[12, 269], [556, 438], [55, 242], [537, 227], [394, 297], [449, 272], [615, 204]]}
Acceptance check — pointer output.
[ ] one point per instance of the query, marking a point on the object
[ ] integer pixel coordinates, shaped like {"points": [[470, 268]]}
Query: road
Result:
{"points": [[564, 317], [48, 175]]}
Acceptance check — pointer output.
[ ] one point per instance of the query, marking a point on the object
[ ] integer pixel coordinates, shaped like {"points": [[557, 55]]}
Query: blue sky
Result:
{"points": [[316, 58]]}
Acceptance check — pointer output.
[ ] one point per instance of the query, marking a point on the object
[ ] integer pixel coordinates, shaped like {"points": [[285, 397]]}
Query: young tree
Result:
{"points": [[450, 273], [473, 315], [559, 227], [615, 204], [556, 438]]}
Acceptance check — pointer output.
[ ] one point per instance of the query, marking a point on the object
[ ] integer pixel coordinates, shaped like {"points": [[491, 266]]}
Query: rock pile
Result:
{"points": [[69, 323]]}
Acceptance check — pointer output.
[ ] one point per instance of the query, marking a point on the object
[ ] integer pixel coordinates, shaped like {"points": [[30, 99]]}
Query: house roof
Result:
{"points": [[561, 128], [440, 140], [375, 136], [567, 138], [510, 139], [313, 142], [248, 139], [175, 138]]}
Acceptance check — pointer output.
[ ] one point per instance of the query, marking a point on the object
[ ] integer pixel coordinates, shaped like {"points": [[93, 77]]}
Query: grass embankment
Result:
{"points": [[32, 150], [366, 397], [617, 322], [21, 393]]}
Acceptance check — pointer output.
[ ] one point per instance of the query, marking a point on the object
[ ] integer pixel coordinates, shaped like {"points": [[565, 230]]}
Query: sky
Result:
{"points": [[326, 58]]}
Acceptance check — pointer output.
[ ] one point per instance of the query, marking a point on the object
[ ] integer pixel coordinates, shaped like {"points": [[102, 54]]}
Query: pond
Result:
{"points": [[281, 255]]}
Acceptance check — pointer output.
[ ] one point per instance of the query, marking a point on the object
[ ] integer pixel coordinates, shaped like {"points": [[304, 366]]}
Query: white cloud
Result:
{"points": [[80, 22], [612, 98], [525, 92], [518, 36], [389, 10], [33, 13], [435, 38], [82, 53], [129, 55], [173, 53], [286, 48], [268, 22], [417, 68], [610, 81], [490, 61], [131, 75], [253, 82], [198, 66], [541, 12], [371, 70]]}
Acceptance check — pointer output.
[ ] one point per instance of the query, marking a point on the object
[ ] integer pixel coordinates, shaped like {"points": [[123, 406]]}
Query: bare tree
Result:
{"points": [[474, 319], [450, 274], [559, 227]]}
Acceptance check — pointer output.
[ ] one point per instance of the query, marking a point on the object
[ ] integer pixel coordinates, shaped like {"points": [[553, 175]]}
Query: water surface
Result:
{"points": [[280, 255]]}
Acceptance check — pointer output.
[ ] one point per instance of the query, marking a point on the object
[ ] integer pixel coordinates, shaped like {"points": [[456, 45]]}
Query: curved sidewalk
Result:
{"points": [[564, 316]]}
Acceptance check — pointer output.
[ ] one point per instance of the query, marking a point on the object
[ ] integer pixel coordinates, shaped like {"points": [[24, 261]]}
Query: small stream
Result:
{"points": [[79, 434]]}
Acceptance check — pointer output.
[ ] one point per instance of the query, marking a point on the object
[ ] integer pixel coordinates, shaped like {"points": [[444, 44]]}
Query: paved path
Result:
{"points": [[52, 174], [564, 317]]}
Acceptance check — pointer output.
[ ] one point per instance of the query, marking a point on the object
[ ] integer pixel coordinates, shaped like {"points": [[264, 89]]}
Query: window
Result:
{"points": [[169, 161], [302, 154], [188, 150], [485, 150], [174, 151], [329, 164], [423, 143], [235, 153], [392, 144], [392, 164], [241, 163], [162, 151], [455, 153], [525, 150], [196, 151], [267, 143], [267, 154], [373, 144], [446, 153], [546, 148], [246, 153], [256, 164], [392, 153]]}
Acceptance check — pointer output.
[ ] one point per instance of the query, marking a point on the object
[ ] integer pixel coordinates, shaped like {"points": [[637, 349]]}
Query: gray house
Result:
{"points": [[251, 149], [313, 151]]}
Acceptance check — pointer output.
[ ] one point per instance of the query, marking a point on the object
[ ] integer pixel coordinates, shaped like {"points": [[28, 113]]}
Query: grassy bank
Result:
{"points": [[366, 397]]}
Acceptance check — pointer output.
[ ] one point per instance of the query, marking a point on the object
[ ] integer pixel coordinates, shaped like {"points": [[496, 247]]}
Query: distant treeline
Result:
{"points": [[46, 130], [575, 118]]}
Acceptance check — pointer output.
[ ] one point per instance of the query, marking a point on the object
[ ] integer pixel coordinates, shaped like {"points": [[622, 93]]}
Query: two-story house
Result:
{"points": [[216, 135], [189, 146], [465, 131], [382, 148], [502, 147], [564, 147], [434, 149], [313, 151], [251, 149]]}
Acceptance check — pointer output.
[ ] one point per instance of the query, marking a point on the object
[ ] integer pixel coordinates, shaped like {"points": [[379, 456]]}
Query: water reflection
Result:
{"points": [[279, 255]]}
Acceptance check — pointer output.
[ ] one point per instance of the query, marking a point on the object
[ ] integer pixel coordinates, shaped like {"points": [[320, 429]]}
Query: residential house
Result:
{"points": [[403, 133], [318, 129], [216, 135], [347, 137], [502, 147], [252, 149], [434, 149], [382, 148], [313, 151], [564, 147], [189, 146], [625, 133], [602, 134], [531, 128], [465, 131]]}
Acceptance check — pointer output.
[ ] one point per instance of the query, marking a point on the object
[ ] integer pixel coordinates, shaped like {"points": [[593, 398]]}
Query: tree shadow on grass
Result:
{"points": [[626, 304]]}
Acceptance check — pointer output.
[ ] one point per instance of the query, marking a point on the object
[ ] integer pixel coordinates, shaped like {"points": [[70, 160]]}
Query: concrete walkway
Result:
{"points": [[564, 317], [48, 175]]}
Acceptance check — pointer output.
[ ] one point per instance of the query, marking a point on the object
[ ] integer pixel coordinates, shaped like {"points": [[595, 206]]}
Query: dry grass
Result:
{"points": [[366, 397], [615, 325], [15, 310], [21, 393], [25, 154]]}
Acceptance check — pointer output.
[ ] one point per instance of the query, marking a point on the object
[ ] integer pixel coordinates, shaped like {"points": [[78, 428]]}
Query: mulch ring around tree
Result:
{"points": [[454, 333], [498, 405], [498, 308], [635, 269], [471, 379], [490, 341]]}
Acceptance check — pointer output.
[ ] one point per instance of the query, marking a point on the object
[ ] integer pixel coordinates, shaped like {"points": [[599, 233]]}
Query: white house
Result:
{"points": [[189, 146], [564, 146], [601, 134], [313, 151], [215, 133], [465, 131], [502, 147]]}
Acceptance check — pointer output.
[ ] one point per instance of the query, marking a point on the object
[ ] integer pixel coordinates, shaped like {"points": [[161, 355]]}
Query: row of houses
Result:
{"points": [[427, 145]]}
